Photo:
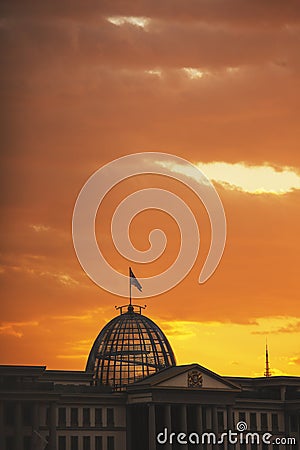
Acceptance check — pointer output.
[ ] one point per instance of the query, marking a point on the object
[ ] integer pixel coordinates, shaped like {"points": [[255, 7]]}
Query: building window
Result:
{"points": [[110, 443], [242, 417], [86, 417], [9, 414], [98, 417], [98, 443], [74, 442], [48, 416], [62, 444], [264, 421], [253, 423], [110, 417], [275, 426], [74, 417], [62, 418], [220, 420], [86, 443], [294, 423]]}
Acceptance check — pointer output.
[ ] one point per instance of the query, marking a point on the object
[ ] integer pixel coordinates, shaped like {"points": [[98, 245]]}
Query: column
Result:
{"points": [[258, 417], [215, 420], [183, 424], [18, 427], [199, 422], [168, 424], [128, 428], [209, 423], [269, 421], [281, 421], [2, 438], [230, 425], [52, 427], [152, 430]]}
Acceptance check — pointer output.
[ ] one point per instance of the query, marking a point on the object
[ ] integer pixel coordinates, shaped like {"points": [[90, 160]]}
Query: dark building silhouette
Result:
{"points": [[132, 391]]}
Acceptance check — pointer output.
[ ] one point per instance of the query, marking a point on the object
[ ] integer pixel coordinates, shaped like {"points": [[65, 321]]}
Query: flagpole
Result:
{"points": [[129, 287]]}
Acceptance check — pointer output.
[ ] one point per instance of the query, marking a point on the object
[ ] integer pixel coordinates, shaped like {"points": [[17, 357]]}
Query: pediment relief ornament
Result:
{"points": [[195, 378]]}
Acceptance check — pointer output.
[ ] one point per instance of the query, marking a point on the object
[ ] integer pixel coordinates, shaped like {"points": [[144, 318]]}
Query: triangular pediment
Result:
{"points": [[191, 376]]}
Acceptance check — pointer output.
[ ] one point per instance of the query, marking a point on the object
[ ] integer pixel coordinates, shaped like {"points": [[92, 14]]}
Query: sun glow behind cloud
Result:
{"points": [[264, 179]]}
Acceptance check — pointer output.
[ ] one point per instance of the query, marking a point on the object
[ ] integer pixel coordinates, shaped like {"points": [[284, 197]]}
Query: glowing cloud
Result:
{"points": [[16, 328], [157, 73], [141, 22], [39, 228], [264, 179], [193, 73], [253, 179]]}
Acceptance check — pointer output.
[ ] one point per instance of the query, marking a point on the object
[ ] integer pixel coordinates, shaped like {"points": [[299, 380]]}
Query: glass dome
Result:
{"points": [[130, 347]]}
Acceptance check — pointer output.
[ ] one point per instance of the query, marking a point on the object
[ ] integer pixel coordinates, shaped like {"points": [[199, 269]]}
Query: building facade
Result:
{"points": [[158, 406]]}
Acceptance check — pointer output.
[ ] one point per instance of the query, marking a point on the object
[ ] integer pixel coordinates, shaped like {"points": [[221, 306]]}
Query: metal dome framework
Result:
{"points": [[130, 347]]}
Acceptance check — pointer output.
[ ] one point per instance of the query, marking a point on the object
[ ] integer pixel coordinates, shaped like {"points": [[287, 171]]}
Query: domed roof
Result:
{"points": [[130, 347]]}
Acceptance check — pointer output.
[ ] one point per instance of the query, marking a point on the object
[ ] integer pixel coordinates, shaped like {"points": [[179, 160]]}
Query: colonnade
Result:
{"points": [[211, 419]]}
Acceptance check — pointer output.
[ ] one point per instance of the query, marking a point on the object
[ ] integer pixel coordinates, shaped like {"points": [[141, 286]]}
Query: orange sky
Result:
{"points": [[207, 81]]}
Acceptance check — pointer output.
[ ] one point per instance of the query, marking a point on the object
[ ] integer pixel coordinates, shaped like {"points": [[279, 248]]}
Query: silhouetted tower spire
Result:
{"points": [[267, 370]]}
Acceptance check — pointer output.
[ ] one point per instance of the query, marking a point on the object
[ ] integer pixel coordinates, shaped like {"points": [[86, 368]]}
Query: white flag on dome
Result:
{"points": [[134, 281]]}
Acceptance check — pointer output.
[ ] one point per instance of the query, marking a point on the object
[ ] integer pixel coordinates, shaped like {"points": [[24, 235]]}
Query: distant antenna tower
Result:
{"points": [[267, 370]]}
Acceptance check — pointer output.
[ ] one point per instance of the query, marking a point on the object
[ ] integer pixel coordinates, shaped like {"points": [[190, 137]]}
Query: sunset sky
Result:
{"points": [[213, 81]]}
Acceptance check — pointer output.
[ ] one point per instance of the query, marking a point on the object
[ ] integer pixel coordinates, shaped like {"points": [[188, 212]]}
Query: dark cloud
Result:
{"points": [[253, 12], [31, 43], [69, 84]]}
